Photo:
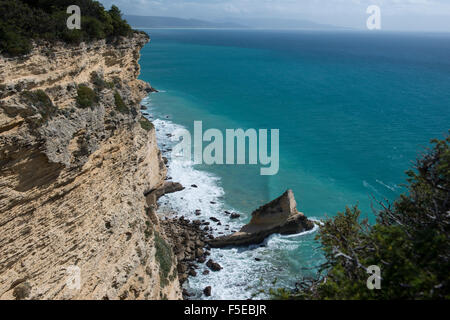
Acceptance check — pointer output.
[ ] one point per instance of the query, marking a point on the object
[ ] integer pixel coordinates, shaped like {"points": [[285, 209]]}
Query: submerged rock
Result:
{"points": [[278, 216]]}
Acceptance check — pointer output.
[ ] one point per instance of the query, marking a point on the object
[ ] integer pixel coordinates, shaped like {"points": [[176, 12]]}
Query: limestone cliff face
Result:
{"points": [[73, 177]]}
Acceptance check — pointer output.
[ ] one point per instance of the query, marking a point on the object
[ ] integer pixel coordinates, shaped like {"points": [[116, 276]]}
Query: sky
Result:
{"points": [[407, 15]]}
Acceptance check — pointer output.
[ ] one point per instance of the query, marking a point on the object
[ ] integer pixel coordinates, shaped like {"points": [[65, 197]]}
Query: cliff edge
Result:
{"points": [[77, 159]]}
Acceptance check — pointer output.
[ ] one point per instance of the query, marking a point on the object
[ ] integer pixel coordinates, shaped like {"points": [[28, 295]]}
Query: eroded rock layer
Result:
{"points": [[278, 216], [76, 160]]}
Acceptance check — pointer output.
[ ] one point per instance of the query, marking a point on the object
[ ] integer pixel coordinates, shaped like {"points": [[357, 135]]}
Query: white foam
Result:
{"points": [[392, 188], [371, 187], [242, 276]]}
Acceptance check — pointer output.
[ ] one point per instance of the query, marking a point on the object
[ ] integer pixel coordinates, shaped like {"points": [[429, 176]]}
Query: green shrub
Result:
{"points": [[120, 26], [146, 124], [41, 101], [86, 97], [110, 84], [93, 27], [15, 44], [410, 242], [24, 20], [164, 257], [120, 105], [72, 36]]}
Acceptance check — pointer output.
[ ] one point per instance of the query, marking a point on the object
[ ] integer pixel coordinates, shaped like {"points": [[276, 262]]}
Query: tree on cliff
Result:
{"points": [[409, 242], [24, 20]]}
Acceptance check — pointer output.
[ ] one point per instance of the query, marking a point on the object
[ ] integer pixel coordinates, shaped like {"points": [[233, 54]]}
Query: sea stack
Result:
{"points": [[278, 216]]}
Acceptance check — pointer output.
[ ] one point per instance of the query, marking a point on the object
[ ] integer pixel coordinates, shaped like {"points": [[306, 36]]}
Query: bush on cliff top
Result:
{"points": [[24, 20], [410, 242]]}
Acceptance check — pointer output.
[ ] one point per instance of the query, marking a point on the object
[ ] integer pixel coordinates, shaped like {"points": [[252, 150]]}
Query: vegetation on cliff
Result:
{"points": [[120, 105], [164, 257], [24, 20], [86, 97], [146, 124], [41, 101], [410, 242], [41, 104]]}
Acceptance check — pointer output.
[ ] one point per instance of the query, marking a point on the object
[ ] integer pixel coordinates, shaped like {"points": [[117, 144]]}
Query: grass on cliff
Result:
{"points": [[146, 124], [24, 20], [164, 257], [410, 242], [120, 104], [86, 97]]}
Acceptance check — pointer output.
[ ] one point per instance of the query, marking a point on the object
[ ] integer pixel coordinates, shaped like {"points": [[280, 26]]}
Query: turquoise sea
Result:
{"points": [[354, 110]]}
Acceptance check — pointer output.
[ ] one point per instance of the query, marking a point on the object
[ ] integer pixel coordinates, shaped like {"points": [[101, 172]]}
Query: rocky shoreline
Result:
{"points": [[188, 239], [192, 240], [189, 244]]}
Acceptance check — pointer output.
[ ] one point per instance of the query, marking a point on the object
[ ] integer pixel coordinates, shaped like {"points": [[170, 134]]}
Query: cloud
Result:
{"points": [[350, 13]]}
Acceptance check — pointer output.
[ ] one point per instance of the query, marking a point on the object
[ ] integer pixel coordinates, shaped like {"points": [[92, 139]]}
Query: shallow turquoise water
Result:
{"points": [[354, 110]]}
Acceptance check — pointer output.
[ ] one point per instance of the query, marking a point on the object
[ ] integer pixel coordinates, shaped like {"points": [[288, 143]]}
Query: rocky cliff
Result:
{"points": [[76, 161]]}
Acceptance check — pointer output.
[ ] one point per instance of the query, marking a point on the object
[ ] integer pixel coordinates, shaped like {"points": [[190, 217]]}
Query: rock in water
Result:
{"points": [[207, 291], [278, 216], [214, 266]]}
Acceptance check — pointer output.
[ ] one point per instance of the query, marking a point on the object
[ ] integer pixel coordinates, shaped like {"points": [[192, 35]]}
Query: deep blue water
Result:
{"points": [[354, 110]]}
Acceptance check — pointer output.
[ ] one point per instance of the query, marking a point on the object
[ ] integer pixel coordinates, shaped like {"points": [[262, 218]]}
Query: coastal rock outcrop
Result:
{"points": [[167, 187], [76, 158], [188, 243], [278, 216]]}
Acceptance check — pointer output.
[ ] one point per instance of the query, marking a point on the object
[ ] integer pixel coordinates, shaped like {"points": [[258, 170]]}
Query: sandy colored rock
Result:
{"points": [[73, 181], [278, 216], [166, 188]]}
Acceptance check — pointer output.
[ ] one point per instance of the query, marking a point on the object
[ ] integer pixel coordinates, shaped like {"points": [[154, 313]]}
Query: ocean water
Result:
{"points": [[354, 110]]}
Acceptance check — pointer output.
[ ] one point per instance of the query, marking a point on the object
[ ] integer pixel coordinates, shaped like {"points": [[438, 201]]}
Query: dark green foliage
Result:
{"points": [[410, 242], [164, 257], [146, 124], [40, 100], [13, 43], [120, 26], [120, 105], [86, 97], [24, 20]]}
